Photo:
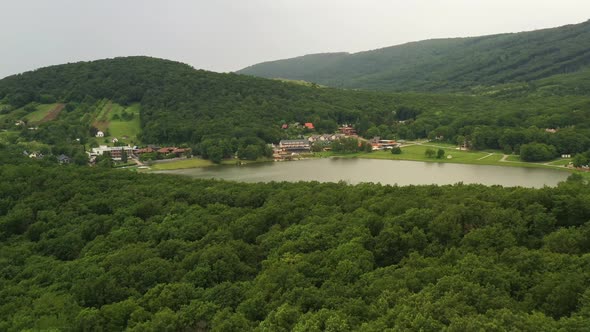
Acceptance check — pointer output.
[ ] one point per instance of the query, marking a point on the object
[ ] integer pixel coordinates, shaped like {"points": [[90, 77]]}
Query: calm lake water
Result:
{"points": [[380, 171]]}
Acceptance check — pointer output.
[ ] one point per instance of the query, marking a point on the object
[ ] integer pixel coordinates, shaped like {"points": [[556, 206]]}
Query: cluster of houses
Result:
{"points": [[62, 158], [117, 152], [286, 149], [378, 144]]}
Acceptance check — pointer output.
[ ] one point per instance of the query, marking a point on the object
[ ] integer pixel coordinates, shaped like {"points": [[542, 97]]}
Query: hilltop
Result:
{"points": [[456, 64]]}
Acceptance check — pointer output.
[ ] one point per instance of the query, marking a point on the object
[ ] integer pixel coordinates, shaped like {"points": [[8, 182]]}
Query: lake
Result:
{"points": [[391, 172]]}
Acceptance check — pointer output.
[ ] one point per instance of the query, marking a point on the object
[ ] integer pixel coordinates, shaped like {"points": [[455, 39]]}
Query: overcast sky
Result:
{"points": [[227, 35]]}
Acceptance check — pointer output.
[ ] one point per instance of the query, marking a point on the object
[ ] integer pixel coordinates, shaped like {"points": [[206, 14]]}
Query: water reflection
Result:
{"points": [[380, 171]]}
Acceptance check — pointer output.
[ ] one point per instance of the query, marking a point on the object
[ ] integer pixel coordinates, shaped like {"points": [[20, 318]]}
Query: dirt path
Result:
{"points": [[504, 158], [53, 114], [484, 157]]}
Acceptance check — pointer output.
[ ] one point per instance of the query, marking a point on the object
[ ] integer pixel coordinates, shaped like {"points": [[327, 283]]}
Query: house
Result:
{"points": [[180, 151], [166, 150], [19, 123], [295, 145], [309, 125], [36, 155], [550, 130], [99, 134], [63, 159], [313, 138], [383, 144], [116, 152], [347, 130], [285, 126], [144, 150], [115, 140]]}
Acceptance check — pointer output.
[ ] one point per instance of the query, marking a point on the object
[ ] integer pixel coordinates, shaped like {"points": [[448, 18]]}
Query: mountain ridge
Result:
{"points": [[445, 64]]}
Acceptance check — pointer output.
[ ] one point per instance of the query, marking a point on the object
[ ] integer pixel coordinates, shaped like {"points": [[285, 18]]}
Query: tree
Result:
{"points": [[396, 150], [215, 154], [537, 152], [429, 153], [580, 159], [104, 161], [440, 153]]}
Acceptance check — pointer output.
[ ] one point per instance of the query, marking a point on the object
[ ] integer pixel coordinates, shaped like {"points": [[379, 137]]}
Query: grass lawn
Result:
{"points": [[109, 119], [119, 127], [417, 153], [198, 162], [561, 162], [40, 113], [514, 158], [180, 164]]}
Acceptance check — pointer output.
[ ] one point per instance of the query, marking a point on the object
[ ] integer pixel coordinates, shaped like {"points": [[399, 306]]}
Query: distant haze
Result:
{"points": [[227, 35]]}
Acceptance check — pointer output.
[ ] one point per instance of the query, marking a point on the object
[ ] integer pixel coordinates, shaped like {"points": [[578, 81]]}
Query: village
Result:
{"points": [[287, 149], [298, 148]]}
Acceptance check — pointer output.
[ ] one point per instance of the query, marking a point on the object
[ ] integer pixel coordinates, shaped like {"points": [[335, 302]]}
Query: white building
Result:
{"points": [[116, 152], [99, 134]]}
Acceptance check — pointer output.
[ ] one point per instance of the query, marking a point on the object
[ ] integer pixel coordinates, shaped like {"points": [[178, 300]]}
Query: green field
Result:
{"points": [[120, 128], [42, 111], [561, 162], [417, 153], [109, 118], [102, 116], [180, 164], [198, 162]]}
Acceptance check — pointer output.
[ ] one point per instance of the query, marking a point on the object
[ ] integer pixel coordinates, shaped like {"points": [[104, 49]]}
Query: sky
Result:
{"points": [[227, 35]]}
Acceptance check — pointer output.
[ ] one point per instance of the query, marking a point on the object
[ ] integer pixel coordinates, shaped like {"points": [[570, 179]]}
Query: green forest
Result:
{"points": [[98, 243], [455, 64], [223, 114], [89, 249]]}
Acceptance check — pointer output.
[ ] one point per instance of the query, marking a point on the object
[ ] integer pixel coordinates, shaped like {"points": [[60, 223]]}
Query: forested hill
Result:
{"points": [[444, 64], [181, 104]]}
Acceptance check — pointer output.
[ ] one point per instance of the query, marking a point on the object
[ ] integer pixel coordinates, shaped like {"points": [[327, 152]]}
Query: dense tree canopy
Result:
{"points": [[551, 59], [95, 249]]}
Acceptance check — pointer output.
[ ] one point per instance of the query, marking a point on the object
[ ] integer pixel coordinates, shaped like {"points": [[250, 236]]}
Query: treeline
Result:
{"points": [[549, 59], [92, 249]]}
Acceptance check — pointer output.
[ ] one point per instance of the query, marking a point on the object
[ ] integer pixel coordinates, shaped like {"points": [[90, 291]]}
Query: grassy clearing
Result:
{"points": [[514, 158], [561, 162], [120, 128], [417, 153], [104, 107], [40, 113], [110, 119], [181, 164], [198, 162]]}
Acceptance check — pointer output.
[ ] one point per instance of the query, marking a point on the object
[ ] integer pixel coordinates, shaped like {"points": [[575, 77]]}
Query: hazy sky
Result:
{"points": [[227, 35]]}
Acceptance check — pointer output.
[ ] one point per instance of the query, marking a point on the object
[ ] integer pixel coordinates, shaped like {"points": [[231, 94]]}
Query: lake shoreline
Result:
{"points": [[377, 155], [386, 172]]}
